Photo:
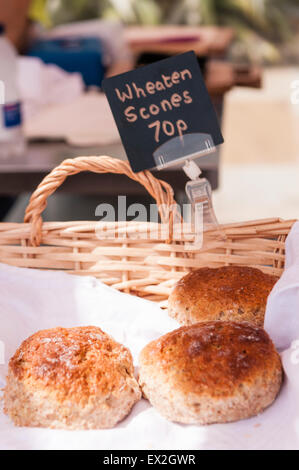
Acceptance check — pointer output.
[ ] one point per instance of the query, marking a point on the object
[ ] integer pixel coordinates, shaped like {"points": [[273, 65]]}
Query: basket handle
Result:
{"points": [[161, 191]]}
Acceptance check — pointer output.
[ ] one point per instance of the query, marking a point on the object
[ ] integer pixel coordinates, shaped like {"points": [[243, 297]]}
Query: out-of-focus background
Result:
{"points": [[248, 51]]}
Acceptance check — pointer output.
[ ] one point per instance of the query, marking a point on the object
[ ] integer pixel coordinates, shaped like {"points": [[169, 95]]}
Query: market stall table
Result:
{"points": [[23, 174]]}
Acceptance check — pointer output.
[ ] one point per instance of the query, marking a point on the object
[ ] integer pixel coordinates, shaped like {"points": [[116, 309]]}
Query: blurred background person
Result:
{"points": [[30, 20]]}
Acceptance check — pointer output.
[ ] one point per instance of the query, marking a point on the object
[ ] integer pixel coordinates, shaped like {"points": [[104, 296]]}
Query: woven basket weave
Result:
{"points": [[122, 254]]}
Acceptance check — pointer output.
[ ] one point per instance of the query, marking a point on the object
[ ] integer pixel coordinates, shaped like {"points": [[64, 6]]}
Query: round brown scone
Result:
{"points": [[213, 372], [70, 378], [234, 293]]}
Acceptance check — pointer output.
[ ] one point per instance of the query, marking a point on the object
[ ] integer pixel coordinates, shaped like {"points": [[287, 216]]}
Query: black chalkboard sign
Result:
{"points": [[163, 109]]}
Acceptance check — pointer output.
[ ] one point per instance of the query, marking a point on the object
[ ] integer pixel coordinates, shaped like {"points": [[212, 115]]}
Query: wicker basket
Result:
{"points": [[122, 254]]}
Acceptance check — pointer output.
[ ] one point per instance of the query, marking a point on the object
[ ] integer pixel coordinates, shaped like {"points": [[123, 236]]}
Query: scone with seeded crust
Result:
{"points": [[213, 372], [234, 293], [70, 378]]}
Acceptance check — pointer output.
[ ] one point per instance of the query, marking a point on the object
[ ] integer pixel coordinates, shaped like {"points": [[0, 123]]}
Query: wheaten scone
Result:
{"points": [[213, 372], [70, 378], [234, 293]]}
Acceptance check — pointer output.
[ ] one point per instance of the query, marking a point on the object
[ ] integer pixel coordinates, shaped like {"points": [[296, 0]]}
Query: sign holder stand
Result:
{"points": [[184, 149]]}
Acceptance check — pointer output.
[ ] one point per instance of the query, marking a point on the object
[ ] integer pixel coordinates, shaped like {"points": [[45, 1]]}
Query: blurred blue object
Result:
{"points": [[73, 54]]}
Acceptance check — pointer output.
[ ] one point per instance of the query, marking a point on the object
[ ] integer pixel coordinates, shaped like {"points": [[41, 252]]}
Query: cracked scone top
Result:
{"points": [[76, 378], [234, 293], [212, 372]]}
